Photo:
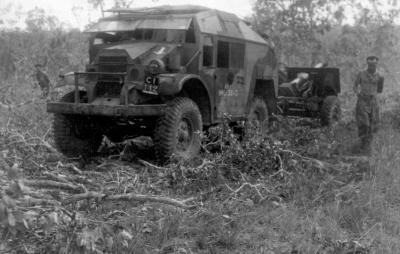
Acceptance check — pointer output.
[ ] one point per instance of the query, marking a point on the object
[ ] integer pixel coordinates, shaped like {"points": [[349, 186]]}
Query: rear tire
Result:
{"points": [[330, 111], [73, 135], [178, 131]]}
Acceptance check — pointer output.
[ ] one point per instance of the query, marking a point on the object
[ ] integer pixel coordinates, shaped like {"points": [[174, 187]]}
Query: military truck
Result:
{"points": [[169, 73], [310, 92]]}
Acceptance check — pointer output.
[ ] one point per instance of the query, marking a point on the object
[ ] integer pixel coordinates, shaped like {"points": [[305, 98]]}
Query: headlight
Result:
{"points": [[156, 66]]}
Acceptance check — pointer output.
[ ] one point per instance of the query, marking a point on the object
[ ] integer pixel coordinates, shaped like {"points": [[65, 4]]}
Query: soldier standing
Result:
{"points": [[43, 80], [367, 85]]}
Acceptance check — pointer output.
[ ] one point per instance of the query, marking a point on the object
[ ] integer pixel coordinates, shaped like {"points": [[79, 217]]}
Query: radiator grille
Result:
{"points": [[108, 84]]}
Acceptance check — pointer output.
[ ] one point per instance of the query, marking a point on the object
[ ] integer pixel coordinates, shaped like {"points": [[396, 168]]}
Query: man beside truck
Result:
{"points": [[368, 84]]}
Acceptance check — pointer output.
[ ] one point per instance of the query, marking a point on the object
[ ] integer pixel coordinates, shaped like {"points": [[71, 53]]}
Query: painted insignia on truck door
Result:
{"points": [[231, 93]]}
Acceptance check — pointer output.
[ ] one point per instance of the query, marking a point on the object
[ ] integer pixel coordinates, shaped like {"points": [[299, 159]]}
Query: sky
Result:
{"points": [[77, 13]]}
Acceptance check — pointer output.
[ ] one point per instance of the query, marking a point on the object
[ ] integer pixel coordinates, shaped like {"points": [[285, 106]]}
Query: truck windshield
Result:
{"points": [[158, 35]]}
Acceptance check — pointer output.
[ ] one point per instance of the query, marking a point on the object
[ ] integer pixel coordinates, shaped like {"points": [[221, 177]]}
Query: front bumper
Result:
{"points": [[106, 110]]}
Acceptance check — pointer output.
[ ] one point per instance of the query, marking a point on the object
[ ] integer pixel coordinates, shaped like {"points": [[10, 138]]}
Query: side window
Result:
{"points": [[138, 34], [237, 55], [208, 51], [223, 54], [148, 34]]}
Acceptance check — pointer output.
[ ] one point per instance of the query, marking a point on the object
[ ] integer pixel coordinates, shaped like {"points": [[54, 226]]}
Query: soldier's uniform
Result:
{"points": [[367, 85], [43, 81]]}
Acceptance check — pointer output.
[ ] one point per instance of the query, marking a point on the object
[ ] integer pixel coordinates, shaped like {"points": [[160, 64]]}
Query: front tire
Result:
{"points": [[178, 131], [330, 111]]}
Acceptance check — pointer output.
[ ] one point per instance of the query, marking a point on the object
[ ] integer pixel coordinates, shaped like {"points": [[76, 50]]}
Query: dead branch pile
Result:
{"points": [[42, 192], [301, 164]]}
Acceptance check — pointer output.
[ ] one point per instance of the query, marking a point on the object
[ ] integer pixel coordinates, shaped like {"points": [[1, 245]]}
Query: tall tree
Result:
{"points": [[37, 19]]}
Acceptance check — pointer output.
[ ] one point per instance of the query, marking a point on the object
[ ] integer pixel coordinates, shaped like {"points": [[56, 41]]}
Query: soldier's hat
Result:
{"points": [[372, 57]]}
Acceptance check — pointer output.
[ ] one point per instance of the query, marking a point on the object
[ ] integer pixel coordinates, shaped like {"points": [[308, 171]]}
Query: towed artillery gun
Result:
{"points": [[312, 92], [169, 73]]}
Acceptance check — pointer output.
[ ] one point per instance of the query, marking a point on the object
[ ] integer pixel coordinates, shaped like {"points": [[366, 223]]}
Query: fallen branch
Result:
{"points": [[82, 180], [318, 163], [56, 178], [126, 197], [48, 184], [146, 163], [91, 173], [48, 146], [251, 186], [30, 201], [116, 212], [70, 166]]}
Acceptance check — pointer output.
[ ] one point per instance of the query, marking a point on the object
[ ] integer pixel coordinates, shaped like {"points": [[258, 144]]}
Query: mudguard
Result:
{"points": [[172, 83]]}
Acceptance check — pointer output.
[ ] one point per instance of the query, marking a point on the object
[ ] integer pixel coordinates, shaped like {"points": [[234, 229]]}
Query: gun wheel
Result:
{"points": [[330, 111]]}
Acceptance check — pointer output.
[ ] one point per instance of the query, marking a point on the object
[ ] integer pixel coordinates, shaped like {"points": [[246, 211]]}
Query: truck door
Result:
{"points": [[230, 94]]}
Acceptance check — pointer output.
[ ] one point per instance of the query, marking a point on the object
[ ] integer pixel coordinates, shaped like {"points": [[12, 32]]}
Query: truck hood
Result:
{"points": [[145, 51]]}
